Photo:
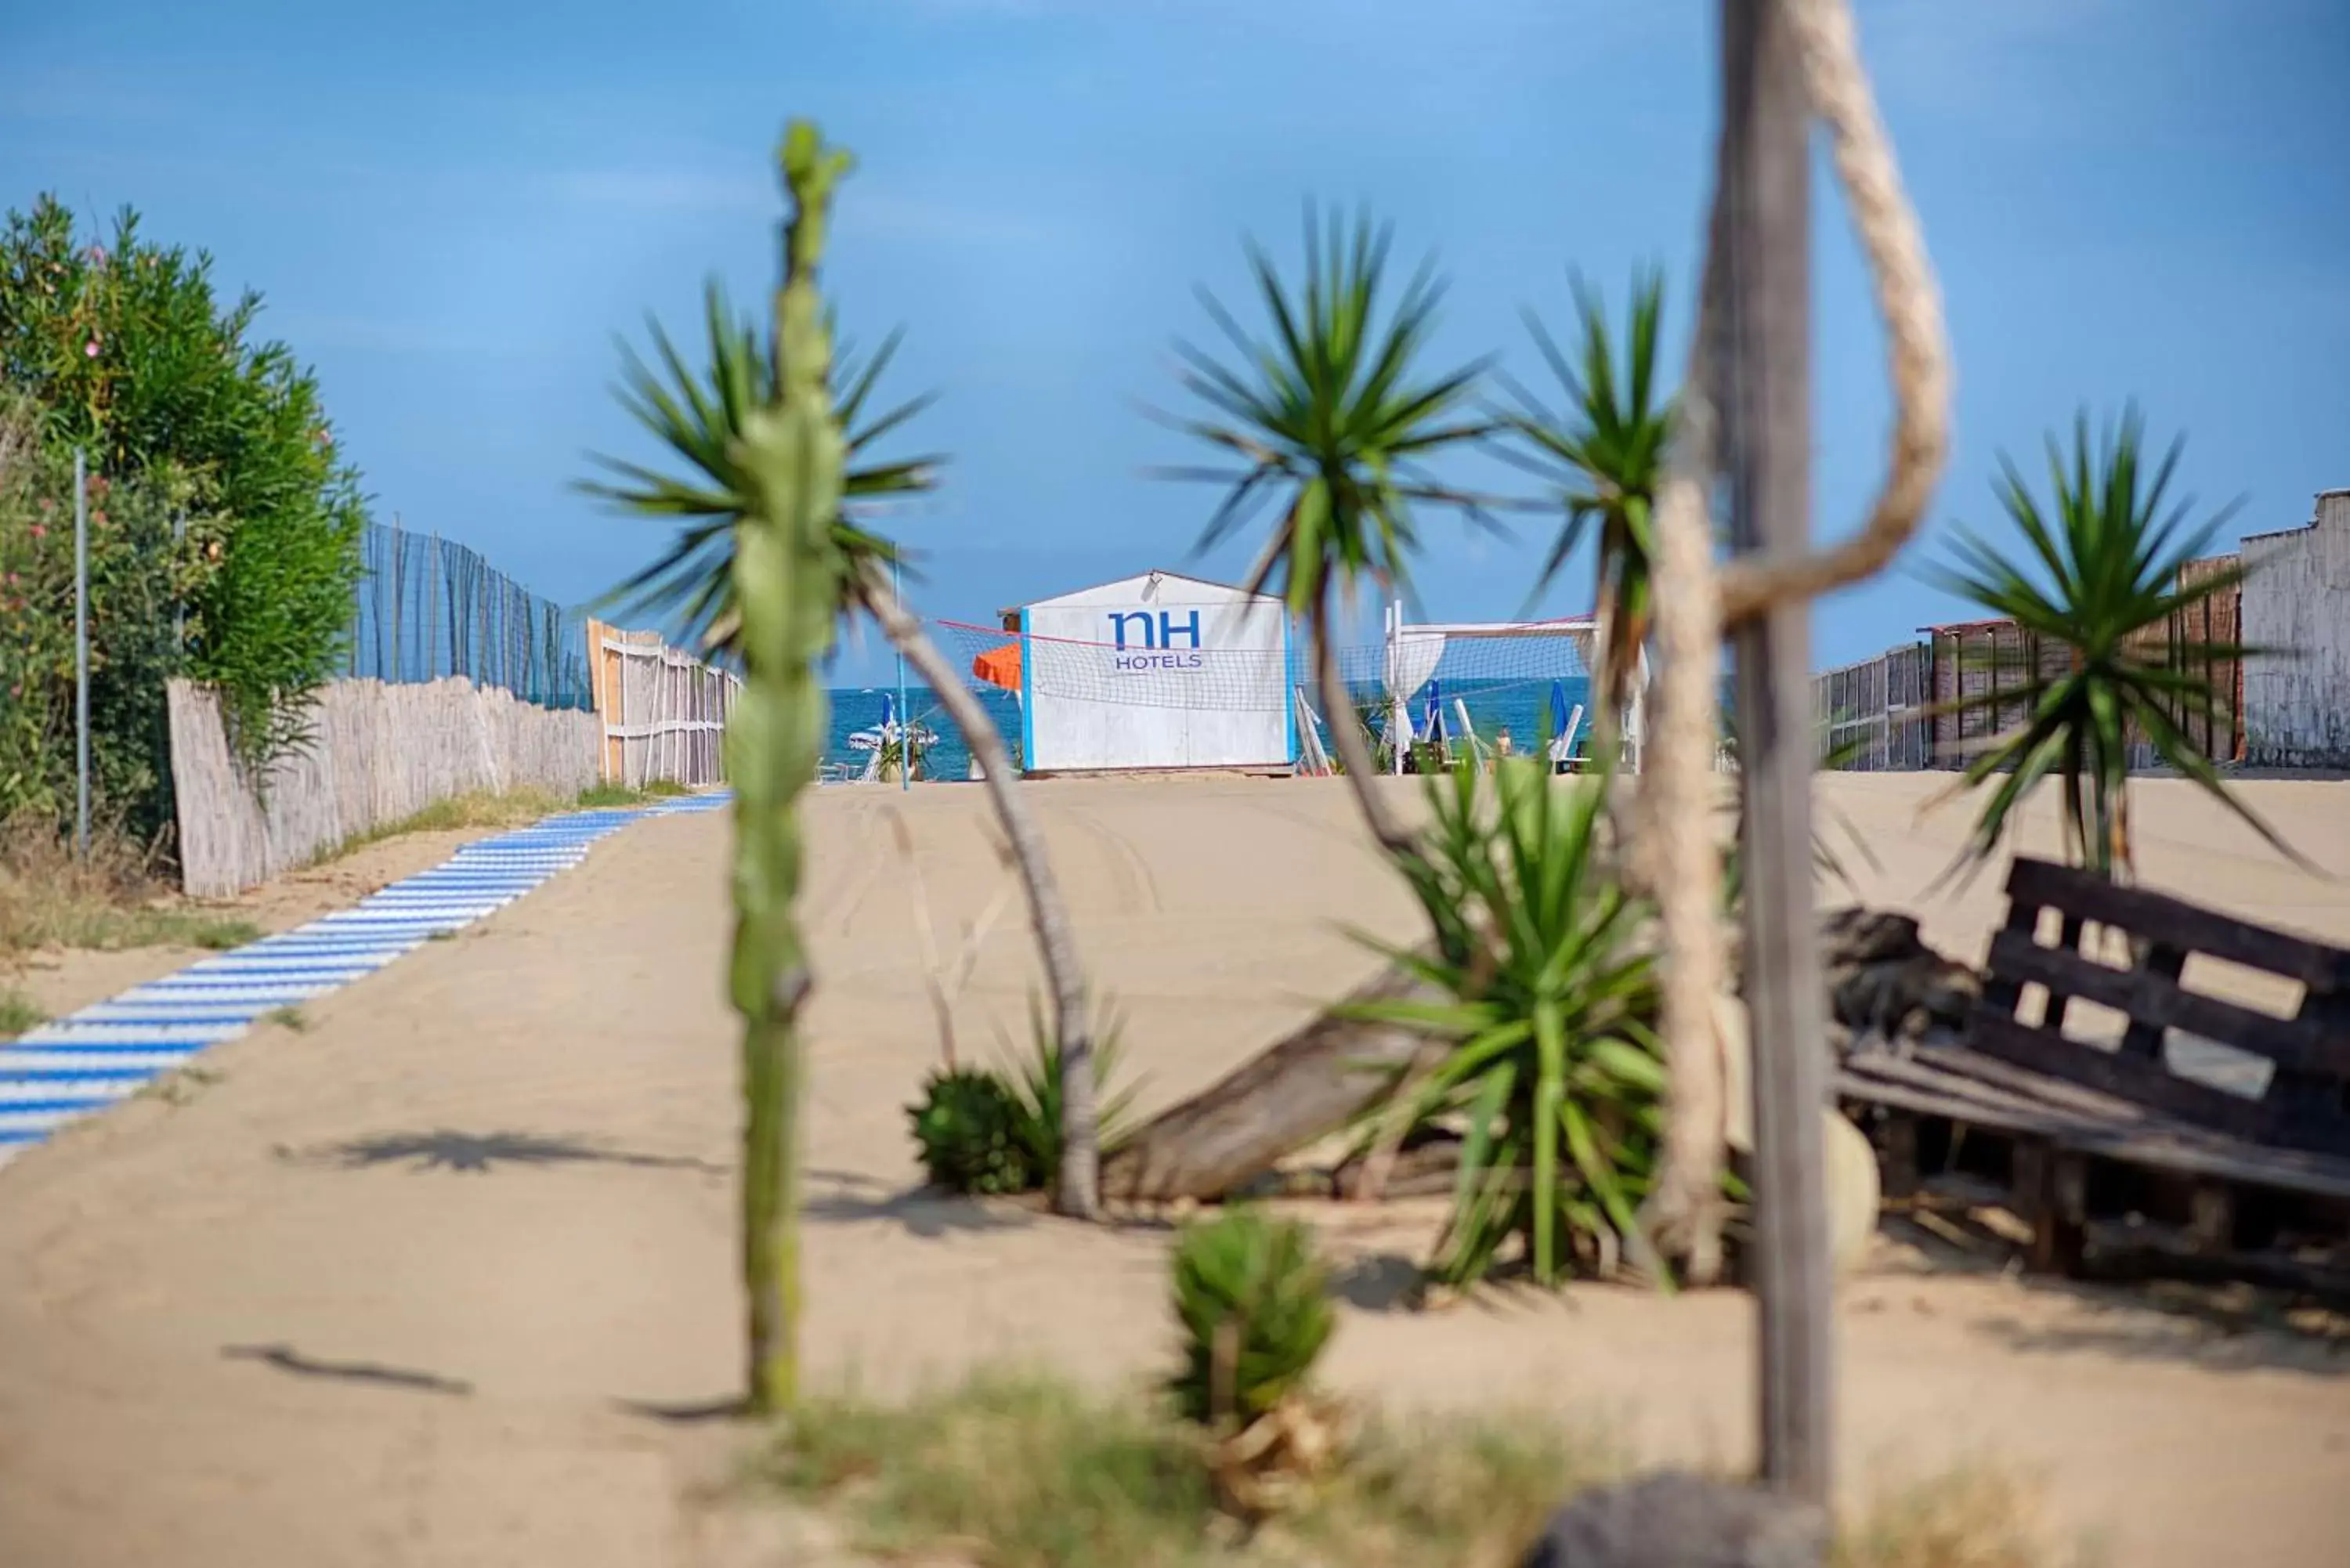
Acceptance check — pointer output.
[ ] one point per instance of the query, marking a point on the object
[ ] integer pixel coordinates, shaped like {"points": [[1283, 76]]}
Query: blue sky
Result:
{"points": [[453, 208]]}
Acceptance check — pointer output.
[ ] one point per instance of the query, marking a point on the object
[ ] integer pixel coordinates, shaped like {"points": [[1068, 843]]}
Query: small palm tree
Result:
{"points": [[1605, 456], [700, 418], [1332, 419], [2111, 586]]}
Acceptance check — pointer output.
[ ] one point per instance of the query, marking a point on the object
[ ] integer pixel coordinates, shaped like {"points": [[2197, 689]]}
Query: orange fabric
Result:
{"points": [[999, 667]]}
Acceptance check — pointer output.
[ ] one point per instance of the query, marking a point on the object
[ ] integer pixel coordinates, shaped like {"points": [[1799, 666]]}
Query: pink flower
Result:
{"points": [[39, 532], [89, 349]]}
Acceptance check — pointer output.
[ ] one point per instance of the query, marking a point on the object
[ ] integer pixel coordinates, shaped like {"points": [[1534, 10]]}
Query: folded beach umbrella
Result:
{"points": [[999, 667]]}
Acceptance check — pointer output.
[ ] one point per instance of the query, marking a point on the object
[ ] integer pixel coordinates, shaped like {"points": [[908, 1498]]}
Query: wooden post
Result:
{"points": [[1766, 420]]}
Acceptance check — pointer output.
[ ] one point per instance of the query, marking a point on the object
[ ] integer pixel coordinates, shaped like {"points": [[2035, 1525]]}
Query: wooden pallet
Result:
{"points": [[2107, 1147]]}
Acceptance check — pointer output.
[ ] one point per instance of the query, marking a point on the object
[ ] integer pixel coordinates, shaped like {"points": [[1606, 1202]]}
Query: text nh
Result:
{"points": [[1158, 635]]}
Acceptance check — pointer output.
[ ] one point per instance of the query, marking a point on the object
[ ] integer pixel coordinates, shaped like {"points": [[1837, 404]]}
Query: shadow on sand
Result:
{"points": [[286, 1359], [478, 1153], [848, 1198], [2136, 1317]]}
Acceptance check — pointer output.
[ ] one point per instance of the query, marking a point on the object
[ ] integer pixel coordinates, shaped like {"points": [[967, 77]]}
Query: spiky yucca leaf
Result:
{"points": [[699, 416], [1604, 456], [2110, 586], [1331, 418], [1252, 1302], [1038, 1091], [1547, 1003]]}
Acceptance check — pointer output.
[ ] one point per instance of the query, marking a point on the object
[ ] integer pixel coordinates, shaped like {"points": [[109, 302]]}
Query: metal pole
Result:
{"points": [[1766, 184], [81, 655], [431, 609], [905, 714]]}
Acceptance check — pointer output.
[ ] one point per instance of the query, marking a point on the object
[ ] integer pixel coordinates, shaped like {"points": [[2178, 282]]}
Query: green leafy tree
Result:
{"points": [[1604, 456], [2106, 585], [141, 572], [699, 417], [1333, 422], [126, 352]]}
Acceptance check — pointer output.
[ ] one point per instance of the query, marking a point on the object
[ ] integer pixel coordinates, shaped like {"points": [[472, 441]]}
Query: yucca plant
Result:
{"points": [[1332, 422], [1546, 1003], [700, 418], [1252, 1307], [1039, 1096], [1603, 455], [2110, 586]]}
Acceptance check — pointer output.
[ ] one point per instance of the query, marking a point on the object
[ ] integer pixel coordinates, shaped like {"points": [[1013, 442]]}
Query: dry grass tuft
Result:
{"points": [[51, 898], [1027, 1472], [1976, 1517], [18, 1012]]}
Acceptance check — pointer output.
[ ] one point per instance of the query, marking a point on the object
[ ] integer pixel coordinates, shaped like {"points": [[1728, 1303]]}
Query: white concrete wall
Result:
{"points": [[2297, 600], [1164, 672]]}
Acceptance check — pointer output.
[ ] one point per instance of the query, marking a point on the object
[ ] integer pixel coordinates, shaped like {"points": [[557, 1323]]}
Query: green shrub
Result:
{"points": [[984, 1131], [122, 350], [1252, 1304], [968, 1126], [138, 574]]}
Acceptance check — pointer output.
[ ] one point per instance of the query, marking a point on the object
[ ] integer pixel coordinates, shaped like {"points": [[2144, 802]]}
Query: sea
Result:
{"points": [[1523, 707]]}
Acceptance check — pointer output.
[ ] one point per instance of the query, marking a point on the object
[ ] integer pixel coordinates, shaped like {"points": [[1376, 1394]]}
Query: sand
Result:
{"points": [[439, 1280]]}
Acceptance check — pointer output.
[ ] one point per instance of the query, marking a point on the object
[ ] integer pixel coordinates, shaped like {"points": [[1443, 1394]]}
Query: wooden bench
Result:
{"points": [[2147, 1139]]}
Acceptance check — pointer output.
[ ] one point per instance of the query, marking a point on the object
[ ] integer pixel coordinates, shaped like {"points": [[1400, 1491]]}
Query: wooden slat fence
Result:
{"points": [[663, 712], [1893, 711]]}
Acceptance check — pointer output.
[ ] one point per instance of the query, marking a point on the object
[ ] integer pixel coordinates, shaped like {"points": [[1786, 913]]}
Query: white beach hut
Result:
{"points": [[1155, 671]]}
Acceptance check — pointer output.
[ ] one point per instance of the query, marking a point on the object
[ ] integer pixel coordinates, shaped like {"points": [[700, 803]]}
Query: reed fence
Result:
{"points": [[376, 754]]}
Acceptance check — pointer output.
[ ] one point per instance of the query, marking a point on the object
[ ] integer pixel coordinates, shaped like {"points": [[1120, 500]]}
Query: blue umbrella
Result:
{"points": [[1557, 709], [1436, 726]]}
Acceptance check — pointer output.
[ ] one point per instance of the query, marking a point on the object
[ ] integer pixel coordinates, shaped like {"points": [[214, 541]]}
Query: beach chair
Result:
{"points": [[1562, 745]]}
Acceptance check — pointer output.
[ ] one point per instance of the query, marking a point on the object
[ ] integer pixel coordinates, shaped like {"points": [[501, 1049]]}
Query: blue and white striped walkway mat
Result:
{"points": [[85, 1062]]}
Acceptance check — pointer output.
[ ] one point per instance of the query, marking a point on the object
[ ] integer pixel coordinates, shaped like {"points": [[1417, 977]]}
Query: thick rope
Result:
{"points": [[1908, 301], [1678, 858]]}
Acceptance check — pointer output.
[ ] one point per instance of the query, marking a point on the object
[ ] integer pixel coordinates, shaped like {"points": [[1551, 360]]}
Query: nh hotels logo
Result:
{"points": [[1158, 634]]}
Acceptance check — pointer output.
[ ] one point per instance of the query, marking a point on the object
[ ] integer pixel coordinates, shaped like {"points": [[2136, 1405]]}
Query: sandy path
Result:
{"points": [[415, 1286]]}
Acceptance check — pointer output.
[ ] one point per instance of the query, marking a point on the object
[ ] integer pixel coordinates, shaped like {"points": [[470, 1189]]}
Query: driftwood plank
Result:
{"points": [[1304, 1087]]}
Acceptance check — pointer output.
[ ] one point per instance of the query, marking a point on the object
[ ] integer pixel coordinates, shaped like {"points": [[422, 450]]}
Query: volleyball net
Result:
{"points": [[1419, 683]]}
